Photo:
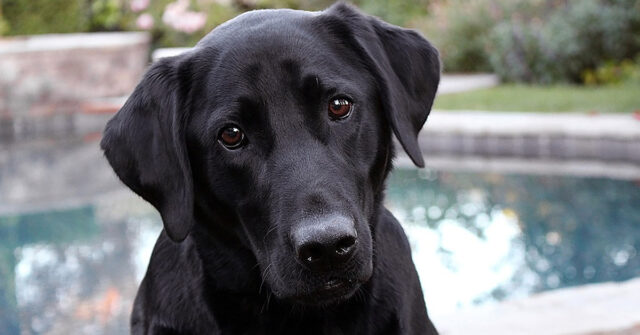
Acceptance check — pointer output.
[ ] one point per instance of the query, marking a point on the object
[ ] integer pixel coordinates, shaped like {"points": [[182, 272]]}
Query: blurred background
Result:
{"points": [[525, 221]]}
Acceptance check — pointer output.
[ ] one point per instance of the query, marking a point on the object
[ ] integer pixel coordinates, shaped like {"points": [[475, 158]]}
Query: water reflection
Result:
{"points": [[484, 237], [476, 238], [74, 270], [53, 229]]}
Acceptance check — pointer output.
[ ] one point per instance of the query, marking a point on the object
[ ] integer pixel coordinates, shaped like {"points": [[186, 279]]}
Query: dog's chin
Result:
{"points": [[322, 290], [331, 292]]}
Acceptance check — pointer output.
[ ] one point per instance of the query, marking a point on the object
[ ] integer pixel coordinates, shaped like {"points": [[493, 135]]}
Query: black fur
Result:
{"points": [[226, 262]]}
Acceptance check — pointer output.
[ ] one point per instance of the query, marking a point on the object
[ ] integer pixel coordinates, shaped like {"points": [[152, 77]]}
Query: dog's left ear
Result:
{"points": [[406, 67], [145, 144]]}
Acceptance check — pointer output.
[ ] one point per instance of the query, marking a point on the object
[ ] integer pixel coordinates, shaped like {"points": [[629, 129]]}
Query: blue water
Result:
{"points": [[477, 238]]}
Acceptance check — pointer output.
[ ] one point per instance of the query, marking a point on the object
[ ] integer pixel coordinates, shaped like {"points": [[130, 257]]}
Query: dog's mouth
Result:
{"points": [[331, 291]]}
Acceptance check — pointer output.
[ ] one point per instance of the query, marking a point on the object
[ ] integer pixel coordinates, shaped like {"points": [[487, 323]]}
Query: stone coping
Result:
{"points": [[519, 123], [49, 42], [458, 82], [534, 136]]}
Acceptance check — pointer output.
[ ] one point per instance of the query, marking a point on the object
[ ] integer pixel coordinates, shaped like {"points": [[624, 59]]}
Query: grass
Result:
{"points": [[561, 98]]}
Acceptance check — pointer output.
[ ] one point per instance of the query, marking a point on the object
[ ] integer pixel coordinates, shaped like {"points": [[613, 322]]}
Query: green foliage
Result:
{"points": [[587, 33], [4, 25], [399, 12], [534, 41], [106, 15], [611, 72], [519, 53], [459, 29], [44, 16], [573, 39]]}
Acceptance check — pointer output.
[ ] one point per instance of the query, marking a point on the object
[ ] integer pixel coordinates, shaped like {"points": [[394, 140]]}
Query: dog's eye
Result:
{"points": [[340, 108], [231, 137]]}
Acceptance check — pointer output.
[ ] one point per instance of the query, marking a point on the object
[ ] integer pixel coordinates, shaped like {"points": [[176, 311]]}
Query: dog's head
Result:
{"points": [[276, 130]]}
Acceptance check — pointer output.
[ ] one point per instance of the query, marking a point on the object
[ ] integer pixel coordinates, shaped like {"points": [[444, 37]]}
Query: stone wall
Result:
{"points": [[46, 80]]}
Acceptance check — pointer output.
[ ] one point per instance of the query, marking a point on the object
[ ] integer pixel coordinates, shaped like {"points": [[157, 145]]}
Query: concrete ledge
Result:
{"points": [[609, 308], [53, 42]]}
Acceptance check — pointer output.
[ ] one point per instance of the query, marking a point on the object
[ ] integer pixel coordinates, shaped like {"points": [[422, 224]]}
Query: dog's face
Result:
{"points": [[292, 145], [275, 129]]}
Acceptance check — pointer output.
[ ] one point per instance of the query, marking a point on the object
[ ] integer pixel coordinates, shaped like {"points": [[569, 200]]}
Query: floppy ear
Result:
{"points": [[145, 144], [405, 65]]}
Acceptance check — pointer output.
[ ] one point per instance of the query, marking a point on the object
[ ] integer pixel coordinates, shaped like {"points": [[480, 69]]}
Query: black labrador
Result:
{"points": [[265, 149]]}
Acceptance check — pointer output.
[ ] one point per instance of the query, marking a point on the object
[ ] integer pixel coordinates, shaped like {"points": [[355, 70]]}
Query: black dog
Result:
{"points": [[265, 149]]}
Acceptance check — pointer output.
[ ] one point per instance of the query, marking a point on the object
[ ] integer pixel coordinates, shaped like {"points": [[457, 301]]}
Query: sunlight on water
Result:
{"points": [[481, 238]]}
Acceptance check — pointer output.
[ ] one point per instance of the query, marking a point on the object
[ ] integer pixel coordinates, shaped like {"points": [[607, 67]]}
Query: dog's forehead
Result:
{"points": [[258, 23], [278, 63], [269, 37], [270, 51]]}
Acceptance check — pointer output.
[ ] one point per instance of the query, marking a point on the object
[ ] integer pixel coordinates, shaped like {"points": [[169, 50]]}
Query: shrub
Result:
{"points": [[461, 29], [536, 41], [590, 32], [611, 72], [519, 53], [107, 15], [44, 16], [575, 38], [4, 26], [398, 12], [458, 29]]}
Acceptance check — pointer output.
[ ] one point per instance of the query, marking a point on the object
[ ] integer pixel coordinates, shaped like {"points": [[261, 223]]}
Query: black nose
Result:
{"points": [[325, 243]]}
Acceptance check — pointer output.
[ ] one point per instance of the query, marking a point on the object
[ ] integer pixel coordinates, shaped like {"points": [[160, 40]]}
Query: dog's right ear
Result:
{"points": [[145, 144], [405, 65]]}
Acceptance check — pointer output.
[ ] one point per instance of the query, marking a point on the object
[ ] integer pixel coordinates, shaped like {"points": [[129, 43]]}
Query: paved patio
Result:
{"points": [[599, 309]]}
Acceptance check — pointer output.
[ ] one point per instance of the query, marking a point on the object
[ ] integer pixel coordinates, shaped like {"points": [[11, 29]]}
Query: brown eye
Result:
{"points": [[340, 108], [231, 137]]}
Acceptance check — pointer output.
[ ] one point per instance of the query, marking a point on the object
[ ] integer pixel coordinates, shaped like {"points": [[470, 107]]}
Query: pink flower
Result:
{"points": [[145, 21], [179, 17], [139, 5]]}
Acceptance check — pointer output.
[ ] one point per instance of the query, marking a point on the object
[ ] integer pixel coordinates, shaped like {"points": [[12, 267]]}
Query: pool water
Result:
{"points": [[477, 238]]}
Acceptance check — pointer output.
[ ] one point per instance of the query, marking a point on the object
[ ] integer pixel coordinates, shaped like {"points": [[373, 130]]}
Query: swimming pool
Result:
{"points": [[70, 260]]}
